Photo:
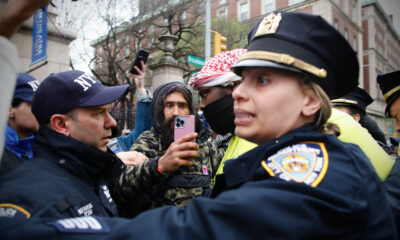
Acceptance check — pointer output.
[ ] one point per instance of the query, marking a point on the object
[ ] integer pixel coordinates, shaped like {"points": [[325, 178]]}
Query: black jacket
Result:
{"points": [[9, 161], [66, 178]]}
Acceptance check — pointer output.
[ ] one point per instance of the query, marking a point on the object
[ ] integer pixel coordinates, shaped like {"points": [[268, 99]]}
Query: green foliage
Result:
{"points": [[193, 42], [234, 31]]}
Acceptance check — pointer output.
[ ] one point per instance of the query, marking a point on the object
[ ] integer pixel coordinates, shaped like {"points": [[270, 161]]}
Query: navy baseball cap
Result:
{"points": [[389, 83], [302, 43], [62, 92], [26, 87], [358, 98]]}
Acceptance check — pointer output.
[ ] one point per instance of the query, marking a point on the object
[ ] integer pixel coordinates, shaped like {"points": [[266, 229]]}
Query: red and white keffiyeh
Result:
{"points": [[217, 70]]}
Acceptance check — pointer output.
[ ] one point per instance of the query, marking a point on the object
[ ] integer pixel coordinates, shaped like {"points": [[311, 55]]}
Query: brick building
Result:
{"points": [[364, 23]]}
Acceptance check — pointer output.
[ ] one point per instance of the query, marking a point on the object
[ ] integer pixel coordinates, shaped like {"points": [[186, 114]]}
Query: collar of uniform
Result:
{"points": [[242, 169], [22, 147], [81, 159]]}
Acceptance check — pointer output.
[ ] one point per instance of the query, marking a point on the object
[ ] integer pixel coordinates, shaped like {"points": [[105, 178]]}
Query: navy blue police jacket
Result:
{"points": [[304, 185], [66, 178], [392, 184]]}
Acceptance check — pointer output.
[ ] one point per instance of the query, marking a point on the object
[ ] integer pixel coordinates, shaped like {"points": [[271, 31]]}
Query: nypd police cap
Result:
{"points": [[358, 98], [303, 43], [389, 84], [26, 87], [64, 91]]}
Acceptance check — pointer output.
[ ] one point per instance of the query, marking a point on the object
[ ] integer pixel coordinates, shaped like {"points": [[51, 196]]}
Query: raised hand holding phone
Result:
{"points": [[141, 56], [183, 149], [139, 78]]}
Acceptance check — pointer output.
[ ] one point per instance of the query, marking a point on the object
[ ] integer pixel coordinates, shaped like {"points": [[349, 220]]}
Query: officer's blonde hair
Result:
{"points": [[322, 116]]}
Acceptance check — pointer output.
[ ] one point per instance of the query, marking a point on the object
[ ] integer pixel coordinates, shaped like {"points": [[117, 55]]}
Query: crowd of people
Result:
{"points": [[296, 155]]}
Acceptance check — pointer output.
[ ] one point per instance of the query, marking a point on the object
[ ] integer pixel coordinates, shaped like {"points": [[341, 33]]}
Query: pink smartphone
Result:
{"points": [[184, 125]]}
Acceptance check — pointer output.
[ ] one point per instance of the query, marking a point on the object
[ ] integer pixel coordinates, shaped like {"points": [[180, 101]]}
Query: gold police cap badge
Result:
{"points": [[269, 24]]}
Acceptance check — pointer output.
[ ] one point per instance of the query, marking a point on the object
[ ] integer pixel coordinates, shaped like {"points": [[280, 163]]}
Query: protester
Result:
{"points": [[21, 125], [389, 84], [215, 83], [324, 189], [176, 172], [71, 169]]}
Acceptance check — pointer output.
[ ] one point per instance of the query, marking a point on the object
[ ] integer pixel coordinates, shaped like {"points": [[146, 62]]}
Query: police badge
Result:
{"points": [[305, 162], [269, 24]]}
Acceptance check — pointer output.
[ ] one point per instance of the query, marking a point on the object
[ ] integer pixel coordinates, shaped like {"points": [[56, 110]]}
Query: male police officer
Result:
{"points": [[71, 168], [389, 84]]}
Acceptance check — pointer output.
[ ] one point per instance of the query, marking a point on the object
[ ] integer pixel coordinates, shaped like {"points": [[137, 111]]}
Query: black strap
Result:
{"points": [[63, 205]]}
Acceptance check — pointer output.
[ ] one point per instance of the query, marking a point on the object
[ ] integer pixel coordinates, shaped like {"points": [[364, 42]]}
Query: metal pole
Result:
{"points": [[208, 29]]}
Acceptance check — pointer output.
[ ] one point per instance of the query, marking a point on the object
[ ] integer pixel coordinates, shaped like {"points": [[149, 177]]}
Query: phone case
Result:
{"points": [[142, 56], [184, 125]]}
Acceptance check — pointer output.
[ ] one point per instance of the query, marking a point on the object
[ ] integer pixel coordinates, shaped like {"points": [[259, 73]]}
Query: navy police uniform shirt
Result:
{"points": [[304, 185], [65, 179]]}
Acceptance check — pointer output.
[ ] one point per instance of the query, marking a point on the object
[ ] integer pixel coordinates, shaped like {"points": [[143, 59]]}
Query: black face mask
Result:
{"points": [[219, 114]]}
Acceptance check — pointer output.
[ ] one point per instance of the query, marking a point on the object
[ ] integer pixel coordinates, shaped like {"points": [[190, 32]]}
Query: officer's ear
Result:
{"points": [[11, 112], [312, 104], [60, 123], [356, 117]]}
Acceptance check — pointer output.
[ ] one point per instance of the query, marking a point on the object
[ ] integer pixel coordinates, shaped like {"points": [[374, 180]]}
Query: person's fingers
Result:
{"points": [[184, 162], [187, 154], [143, 66], [187, 138], [176, 148]]}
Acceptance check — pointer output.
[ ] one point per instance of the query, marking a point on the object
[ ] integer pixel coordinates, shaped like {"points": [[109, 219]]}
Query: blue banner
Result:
{"points": [[39, 36]]}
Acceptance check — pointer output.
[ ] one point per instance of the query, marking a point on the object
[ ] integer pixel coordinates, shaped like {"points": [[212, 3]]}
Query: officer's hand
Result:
{"points": [[179, 153], [132, 158]]}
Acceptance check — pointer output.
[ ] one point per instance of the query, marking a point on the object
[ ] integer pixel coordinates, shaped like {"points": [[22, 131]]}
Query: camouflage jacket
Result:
{"points": [[143, 187]]}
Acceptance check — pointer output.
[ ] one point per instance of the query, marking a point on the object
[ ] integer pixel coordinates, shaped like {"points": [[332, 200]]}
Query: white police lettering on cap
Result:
{"points": [[34, 84], [80, 225], [84, 80]]}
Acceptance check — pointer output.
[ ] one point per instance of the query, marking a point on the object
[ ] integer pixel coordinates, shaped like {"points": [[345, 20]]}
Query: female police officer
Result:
{"points": [[299, 183]]}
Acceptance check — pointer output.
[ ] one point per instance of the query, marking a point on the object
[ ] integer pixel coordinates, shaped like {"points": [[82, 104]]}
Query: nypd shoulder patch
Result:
{"points": [[305, 162], [9, 210], [80, 225]]}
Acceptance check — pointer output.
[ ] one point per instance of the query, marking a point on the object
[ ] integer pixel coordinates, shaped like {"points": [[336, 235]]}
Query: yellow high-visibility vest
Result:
{"points": [[353, 132]]}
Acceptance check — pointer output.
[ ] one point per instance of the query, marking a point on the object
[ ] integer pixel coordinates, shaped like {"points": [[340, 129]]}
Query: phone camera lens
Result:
{"points": [[180, 122]]}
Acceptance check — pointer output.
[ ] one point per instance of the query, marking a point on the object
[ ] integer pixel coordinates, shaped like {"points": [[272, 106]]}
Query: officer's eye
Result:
{"points": [[263, 80], [102, 112]]}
